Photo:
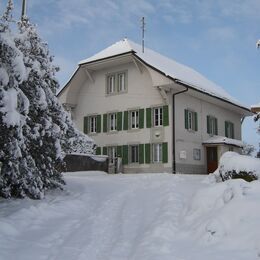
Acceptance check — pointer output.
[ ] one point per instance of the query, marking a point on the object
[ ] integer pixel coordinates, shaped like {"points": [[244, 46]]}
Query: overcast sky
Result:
{"points": [[215, 37]]}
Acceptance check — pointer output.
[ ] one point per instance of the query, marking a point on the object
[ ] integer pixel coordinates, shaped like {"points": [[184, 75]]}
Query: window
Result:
{"points": [[112, 154], [111, 84], [134, 119], [92, 124], [157, 116], [121, 82], [134, 153], [157, 153], [112, 122], [191, 120], [212, 125], [196, 154], [116, 83], [229, 129]]}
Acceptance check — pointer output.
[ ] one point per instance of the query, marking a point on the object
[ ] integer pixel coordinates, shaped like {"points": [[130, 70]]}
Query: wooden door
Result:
{"points": [[212, 159]]}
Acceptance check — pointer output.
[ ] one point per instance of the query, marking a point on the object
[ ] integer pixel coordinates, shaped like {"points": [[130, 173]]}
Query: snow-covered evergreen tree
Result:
{"points": [[13, 114], [35, 129], [50, 130]]}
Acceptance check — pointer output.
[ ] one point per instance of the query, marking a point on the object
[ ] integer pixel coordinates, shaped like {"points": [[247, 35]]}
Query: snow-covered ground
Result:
{"points": [[141, 216]]}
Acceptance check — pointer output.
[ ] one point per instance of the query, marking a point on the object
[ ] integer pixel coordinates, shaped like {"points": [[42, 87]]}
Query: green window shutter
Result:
{"points": [[119, 151], [119, 121], [105, 123], [208, 125], [165, 115], [85, 127], [216, 126], [98, 151], [186, 118], [125, 120], [148, 117], [141, 153], [196, 121], [98, 123], [141, 118], [165, 152], [125, 154], [104, 150], [226, 129], [147, 153], [232, 130]]}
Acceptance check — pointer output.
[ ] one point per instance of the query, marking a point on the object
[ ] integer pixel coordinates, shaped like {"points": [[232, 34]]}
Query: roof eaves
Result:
{"points": [[189, 85]]}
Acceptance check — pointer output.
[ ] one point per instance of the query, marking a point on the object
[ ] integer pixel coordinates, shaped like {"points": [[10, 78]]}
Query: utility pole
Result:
{"points": [[143, 29], [23, 9]]}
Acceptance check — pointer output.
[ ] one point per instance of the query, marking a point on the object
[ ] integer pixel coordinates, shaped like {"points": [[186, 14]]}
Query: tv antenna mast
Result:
{"points": [[23, 9], [143, 30]]}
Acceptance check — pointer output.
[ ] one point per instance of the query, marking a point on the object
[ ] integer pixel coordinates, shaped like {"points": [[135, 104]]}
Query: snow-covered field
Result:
{"points": [[142, 216]]}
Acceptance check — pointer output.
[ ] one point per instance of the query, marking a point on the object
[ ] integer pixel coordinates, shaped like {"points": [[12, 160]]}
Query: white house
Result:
{"points": [[154, 113]]}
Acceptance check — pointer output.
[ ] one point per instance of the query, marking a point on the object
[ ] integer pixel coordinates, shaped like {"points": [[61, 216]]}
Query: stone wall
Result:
{"points": [[81, 162]]}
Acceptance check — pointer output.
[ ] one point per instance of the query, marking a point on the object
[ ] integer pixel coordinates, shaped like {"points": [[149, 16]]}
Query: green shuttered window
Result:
{"points": [[147, 153], [190, 120], [229, 129], [98, 151], [165, 152], [141, 153], [212, 125], [99, 124], [165, 115], [105, 123], [104, 150], [141, 118], [125, 154], [119, 121], [148, 117], [85, 127], [125, 120]]}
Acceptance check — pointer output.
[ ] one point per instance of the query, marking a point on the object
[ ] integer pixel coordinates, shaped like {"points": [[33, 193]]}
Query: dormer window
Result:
{"points": [[116, 83], [111, 86]]}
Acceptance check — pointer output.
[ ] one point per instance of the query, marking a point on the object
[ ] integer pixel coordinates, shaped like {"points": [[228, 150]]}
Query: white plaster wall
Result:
{"points": [[92, 99], [188, 140]]}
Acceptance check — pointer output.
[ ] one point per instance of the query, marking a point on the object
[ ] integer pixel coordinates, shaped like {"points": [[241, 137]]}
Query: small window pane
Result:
{"points": [[121, 82], [134, 153], [93, 124], [158, 116], [157, 153], [112, 122]]}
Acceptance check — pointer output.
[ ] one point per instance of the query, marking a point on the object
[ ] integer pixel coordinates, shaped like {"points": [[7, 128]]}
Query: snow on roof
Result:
{"points": [[224, 140], [168, 66], [256, 106]]}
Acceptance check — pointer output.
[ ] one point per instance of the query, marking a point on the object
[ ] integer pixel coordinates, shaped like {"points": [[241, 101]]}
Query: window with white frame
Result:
{"points": [[121, 82], [112, 154], [112, 121], [157, 153], [229, 129], [111, 84], [134, 119], [157, 116], [92, 124], [196, 154], [134, 153], [212, 125], [191, 120]]}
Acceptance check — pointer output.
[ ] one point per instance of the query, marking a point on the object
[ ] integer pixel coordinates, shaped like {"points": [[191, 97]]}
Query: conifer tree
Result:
{"points": [[15, 161]]}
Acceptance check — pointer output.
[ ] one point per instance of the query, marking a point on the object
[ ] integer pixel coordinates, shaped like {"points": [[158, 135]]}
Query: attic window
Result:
{"points": [[116, 83], [111, 86]]}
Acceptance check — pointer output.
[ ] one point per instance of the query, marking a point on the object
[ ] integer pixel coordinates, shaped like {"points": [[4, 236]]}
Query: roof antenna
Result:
{"points": [[23, 9], [143, 29]]}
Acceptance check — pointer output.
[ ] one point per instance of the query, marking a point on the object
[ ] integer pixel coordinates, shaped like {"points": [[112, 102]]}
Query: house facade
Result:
{"points": [[151, 113]]}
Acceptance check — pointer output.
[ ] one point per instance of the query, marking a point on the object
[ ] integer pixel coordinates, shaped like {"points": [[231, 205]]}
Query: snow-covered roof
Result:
{"points": [[224, 140], [168, 66], [256, 106]]}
